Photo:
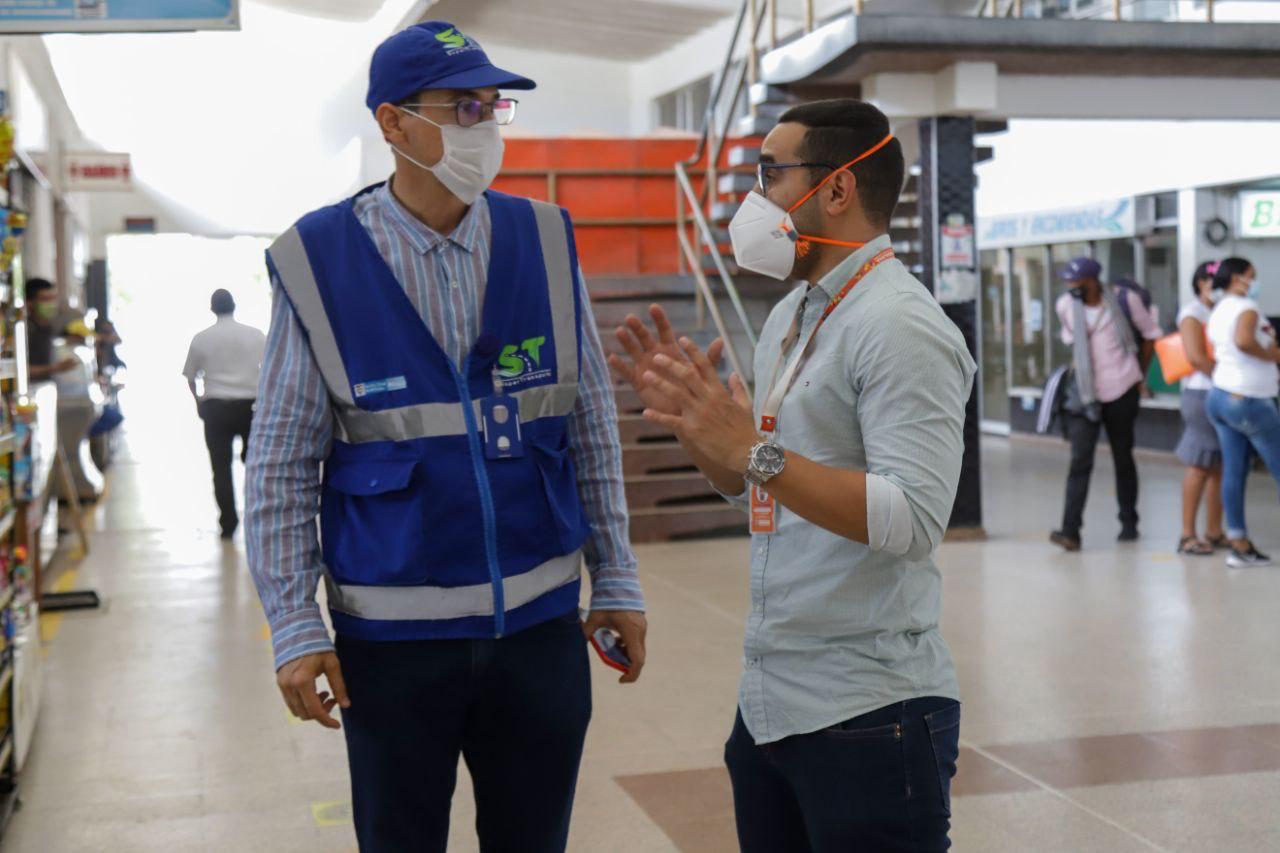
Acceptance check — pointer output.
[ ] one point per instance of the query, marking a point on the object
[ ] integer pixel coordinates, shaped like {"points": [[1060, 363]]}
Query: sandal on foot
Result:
{"points": [[1219, 542], [1194, 547]]}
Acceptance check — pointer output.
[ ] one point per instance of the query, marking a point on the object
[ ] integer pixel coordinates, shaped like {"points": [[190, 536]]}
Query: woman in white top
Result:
{"points": [[1242, 404], [1199, 449]]}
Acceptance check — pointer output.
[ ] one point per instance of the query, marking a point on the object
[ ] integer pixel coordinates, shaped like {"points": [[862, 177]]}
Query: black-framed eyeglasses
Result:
{"points": [[472, 111], [764, 171]]}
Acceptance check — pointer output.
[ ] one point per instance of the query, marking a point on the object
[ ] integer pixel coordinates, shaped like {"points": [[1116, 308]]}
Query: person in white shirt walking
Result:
{"points": [[1242, 404], [227, 358], [1199, 448]]}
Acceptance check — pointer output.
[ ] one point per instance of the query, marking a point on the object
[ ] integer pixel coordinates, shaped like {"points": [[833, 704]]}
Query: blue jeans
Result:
{"points": [[1244, 424], [879, 782], [515, 709]]}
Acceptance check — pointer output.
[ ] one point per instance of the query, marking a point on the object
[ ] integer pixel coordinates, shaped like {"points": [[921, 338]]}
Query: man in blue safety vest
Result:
{"points": [[433, 348]]}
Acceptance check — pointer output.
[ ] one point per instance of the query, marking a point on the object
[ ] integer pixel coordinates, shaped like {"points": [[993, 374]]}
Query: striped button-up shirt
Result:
{"points": [[444, 277], [836, 629]]}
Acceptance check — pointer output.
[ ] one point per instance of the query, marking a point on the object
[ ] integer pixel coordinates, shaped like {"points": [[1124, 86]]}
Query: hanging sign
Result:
{"points": [[96, 171], [116, 16], [1102, 221], [957, 243]]}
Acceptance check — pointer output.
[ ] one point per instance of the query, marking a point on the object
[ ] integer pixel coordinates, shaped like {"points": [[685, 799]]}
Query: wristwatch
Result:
{"points": [[765, 462]]}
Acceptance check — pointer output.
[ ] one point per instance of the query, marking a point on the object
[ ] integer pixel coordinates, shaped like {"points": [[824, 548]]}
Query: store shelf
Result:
{"points": [[6, 597], [8, 368], [6, 522], [6, 443]]}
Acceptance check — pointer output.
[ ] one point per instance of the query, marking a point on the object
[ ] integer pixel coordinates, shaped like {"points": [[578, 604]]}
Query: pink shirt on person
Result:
{"points": [[1114, 370]]}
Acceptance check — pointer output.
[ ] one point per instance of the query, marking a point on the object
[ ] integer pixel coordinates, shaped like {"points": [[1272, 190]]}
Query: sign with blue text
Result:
{"points": [[117, 16], [1102, 220]]}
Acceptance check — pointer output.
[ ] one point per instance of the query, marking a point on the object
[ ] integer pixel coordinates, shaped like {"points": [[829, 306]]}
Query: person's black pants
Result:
{"points": [[1119, 417], [516, 709], [223, 421], [877, 782]]}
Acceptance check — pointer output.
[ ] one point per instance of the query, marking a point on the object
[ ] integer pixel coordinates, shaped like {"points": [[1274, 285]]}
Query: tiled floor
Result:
{"points": [[1118, 699]]}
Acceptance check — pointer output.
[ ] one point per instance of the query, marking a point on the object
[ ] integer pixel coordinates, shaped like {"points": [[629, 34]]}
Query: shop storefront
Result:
{"points": [[1021, 256], [1155, 239]]}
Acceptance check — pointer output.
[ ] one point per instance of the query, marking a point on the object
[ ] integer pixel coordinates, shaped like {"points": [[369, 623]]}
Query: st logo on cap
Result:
{"points": [[433, 55]]}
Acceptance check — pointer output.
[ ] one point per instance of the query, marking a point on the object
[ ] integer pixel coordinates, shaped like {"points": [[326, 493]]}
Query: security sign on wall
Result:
{"points": [[96, 171]]}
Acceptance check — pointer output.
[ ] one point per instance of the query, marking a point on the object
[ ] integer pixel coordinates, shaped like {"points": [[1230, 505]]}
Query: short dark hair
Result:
{"points": [[1205, 270], [222, 303], [36, 286], [839, 129], [1229, 268]]}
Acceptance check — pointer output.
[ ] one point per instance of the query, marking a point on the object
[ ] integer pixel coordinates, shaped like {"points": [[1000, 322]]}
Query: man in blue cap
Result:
{"points": [[1111, 333], [433, 347]]}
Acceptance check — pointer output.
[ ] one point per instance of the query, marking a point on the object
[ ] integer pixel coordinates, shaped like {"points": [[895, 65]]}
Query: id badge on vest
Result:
{"points": [[501, 416]]}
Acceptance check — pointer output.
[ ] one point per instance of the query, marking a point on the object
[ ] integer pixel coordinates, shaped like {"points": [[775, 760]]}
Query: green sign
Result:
{"points": [[1260, 214]]}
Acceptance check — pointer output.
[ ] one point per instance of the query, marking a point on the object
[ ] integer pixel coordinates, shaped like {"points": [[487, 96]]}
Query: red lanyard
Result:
{"points": [[783, 380]]}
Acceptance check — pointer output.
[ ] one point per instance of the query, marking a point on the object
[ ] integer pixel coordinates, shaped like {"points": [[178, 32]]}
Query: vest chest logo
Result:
{"points": [[522, 364]]}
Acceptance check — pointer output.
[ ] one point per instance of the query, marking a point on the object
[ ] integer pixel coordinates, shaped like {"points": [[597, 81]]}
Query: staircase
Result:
{"points": [[667, 496]]}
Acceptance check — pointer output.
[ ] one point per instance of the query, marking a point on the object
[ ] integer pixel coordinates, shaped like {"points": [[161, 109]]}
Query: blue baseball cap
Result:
{"points": [[432, 55], [1080, 269]]}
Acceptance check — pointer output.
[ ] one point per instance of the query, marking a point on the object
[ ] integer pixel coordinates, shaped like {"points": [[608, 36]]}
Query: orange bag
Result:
{"points": [[1172, 354]]}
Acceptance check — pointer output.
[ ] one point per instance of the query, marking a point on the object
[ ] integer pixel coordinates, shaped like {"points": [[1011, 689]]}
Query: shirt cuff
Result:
{"points": [[298, 634], [742, 500], [616, 588]]}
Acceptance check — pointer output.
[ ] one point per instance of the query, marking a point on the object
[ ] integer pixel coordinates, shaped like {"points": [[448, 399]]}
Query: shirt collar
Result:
{"points": [[832, 282], [422, 237]]}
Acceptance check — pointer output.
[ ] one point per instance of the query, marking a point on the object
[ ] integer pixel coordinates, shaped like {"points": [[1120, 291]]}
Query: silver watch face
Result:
{"points": [[768, 459]]}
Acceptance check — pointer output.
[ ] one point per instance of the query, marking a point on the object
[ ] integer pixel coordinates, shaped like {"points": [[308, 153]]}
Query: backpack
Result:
{"points": [[1124, 287]]}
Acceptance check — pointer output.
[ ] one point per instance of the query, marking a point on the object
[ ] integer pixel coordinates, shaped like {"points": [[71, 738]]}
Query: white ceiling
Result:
{"points": [[626, 30]]}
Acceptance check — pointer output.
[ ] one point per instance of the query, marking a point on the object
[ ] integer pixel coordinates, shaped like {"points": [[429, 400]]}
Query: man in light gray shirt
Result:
{"points": [[848, 463]]}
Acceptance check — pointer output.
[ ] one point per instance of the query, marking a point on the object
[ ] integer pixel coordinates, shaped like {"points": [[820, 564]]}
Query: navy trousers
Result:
{"points": [[515, 709], [876, 783]]}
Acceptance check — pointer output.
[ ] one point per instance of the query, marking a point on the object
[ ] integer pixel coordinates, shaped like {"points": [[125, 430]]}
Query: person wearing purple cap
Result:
{"points": [[432, 346], [1112, 346]]}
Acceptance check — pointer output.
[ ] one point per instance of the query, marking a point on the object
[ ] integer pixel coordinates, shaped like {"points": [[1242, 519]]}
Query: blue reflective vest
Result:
{"points": [[423, 537]]}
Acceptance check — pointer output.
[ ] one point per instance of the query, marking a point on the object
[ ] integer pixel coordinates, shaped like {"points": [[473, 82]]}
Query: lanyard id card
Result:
{"points": [[501, 416], [764, 512]]}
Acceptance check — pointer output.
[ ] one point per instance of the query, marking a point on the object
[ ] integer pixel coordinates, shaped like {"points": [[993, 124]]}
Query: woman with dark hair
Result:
{"points": [[1199, 449], [1242, 404]]}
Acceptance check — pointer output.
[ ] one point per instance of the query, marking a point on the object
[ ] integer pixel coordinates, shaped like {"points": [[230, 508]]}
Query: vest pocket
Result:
{"points": [[373, 521], [560, 484]]}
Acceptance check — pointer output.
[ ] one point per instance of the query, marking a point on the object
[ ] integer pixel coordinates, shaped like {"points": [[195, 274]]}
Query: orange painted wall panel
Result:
{"points": [[623, 249]]}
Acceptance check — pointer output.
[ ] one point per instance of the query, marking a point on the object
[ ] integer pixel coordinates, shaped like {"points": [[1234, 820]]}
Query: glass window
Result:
{"points": [[995, 336], [1160, 257], [1028, 316], [1116, 257], [1059, 256]]}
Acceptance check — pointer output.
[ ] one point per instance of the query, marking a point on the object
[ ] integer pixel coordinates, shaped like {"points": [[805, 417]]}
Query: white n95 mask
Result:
{"points": [[762, 235], [472, 157]]}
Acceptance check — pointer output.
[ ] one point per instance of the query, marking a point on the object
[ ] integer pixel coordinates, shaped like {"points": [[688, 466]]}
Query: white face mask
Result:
{"points": [[763, 237], [472, 157]]}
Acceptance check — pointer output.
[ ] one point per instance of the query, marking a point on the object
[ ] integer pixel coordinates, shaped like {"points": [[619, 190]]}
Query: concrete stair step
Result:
{"points": [[637, 429], [648, 459], [761, 94], [712, 518], [736, 183], [765, 120], [743, 155], [671, 490], [640, 287]]}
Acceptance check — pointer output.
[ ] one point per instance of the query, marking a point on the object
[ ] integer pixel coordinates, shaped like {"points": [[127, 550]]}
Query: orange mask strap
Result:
{"points": [[803, 241]]}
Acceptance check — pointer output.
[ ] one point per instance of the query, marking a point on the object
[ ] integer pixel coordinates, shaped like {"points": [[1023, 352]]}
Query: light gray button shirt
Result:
{"points": [[835, 629]]}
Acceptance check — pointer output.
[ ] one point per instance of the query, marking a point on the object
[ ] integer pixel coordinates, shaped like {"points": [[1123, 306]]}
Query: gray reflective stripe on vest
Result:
{"points": [[290, 258], [432, 420], [562, 279], [401, 603]]}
